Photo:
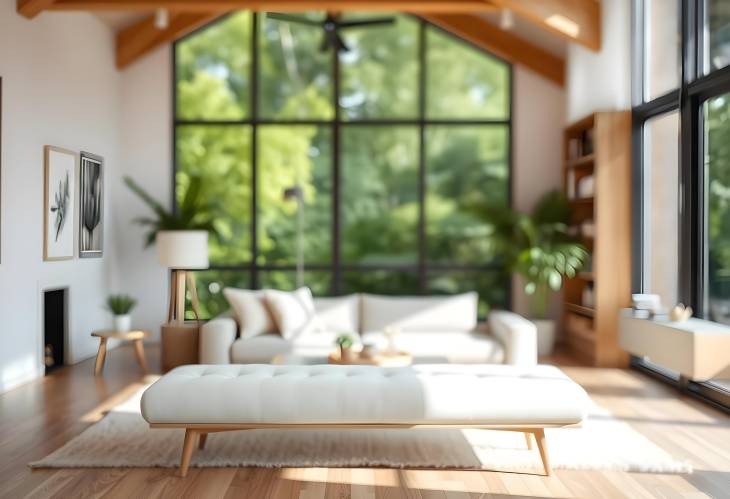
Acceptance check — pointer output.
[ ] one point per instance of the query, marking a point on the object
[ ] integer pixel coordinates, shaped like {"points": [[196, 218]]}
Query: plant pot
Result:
{"points": [[545, 336], [346, 354], [122, 323]]}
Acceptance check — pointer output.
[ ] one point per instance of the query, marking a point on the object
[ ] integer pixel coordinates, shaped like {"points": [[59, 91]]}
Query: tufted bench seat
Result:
{"points": [[210, 398]]}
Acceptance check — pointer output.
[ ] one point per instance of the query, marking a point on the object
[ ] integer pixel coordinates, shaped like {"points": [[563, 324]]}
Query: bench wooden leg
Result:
{"points": [[201, 440], [188, 445], [542, 447], [528, 440]]}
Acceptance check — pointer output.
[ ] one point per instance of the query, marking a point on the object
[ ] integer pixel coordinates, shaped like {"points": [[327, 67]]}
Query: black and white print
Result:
{"points": [[59, 203], [91, 221]]}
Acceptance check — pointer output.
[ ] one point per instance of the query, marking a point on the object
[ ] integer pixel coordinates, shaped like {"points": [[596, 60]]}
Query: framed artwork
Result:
{"points": [[58, 204], [91, 214], [1, 166]]}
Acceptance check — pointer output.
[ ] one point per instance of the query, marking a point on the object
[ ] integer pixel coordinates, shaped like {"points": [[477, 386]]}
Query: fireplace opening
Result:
{"points": [[54, 328]]}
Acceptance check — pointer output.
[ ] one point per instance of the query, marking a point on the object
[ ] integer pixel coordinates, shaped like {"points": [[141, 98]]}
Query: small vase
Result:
{"points": [[122, 323], [345, 354]]}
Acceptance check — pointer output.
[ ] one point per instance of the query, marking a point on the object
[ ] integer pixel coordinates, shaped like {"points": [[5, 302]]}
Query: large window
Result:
{"points": [[682, 160], [390, 149]]}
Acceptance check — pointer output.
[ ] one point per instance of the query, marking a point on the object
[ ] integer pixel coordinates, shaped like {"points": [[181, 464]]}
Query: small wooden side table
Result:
{"points": [[135, 335]]}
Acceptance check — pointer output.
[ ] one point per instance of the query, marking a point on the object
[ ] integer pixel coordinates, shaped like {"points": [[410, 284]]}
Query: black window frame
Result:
{"points": [[695, 88], [423, 268]]}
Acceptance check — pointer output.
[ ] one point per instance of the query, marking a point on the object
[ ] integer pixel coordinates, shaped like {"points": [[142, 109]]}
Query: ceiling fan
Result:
{"points": [[331, 24]]}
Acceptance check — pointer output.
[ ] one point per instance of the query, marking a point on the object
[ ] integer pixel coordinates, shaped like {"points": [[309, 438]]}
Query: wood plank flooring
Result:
{"points": [[41, 416]]}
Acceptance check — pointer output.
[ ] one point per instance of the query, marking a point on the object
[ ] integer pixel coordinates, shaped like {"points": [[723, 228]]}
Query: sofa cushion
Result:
{"points": [[292, 310], [420, 313], [340, 314], [251, 312], [262, 348], [461, 347]]}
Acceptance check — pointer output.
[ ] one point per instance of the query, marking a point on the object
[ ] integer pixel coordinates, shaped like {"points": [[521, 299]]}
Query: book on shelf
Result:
{"points": [[575, 148]]}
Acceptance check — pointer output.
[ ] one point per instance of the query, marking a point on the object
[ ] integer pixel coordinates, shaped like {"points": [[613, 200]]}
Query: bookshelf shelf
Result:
{"points": [[582, 162]]}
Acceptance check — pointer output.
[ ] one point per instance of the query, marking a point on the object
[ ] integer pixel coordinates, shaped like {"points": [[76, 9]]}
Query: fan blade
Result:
{"points": [[367, 22], [340, 44], [293, 19], [326, 43]]}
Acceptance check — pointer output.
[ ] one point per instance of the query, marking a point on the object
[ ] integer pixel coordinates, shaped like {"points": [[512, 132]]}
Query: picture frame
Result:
{"points": [[1, 167], [59, 201], [91, 205]]}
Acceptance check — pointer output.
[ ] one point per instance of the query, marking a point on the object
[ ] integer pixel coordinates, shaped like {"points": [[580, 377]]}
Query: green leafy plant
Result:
{"points": [[193, 213], [120, 304], [538, 246], [345, 341]]}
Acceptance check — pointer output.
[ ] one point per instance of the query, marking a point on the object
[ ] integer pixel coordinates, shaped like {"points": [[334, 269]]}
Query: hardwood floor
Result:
{"points": [[41, 416]]}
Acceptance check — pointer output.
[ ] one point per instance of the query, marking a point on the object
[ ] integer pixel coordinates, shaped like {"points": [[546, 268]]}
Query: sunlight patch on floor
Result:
{"points": [[114, 400]]}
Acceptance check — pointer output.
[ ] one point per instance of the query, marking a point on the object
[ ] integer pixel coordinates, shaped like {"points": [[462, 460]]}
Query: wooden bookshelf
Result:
{"points": [[599, 146]]}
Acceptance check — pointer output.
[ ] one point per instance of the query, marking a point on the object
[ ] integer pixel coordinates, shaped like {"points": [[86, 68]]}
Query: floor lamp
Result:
{"points": [[182, 251], [296, 193]]}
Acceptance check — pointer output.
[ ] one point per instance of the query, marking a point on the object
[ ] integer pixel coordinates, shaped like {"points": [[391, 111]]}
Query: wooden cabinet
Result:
{"points": [[597, 179]]}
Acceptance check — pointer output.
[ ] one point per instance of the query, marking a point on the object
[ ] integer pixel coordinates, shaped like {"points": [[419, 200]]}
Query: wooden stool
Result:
{"points": [[135, 335]]}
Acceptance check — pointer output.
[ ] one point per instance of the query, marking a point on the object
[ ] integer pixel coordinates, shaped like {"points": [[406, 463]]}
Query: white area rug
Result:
{"points": [[123, 439]]}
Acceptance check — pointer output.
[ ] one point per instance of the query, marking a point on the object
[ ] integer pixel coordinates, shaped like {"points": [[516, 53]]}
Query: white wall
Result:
{"points": [[146, 128], [60, 88], [537, 135], [601, 81]]}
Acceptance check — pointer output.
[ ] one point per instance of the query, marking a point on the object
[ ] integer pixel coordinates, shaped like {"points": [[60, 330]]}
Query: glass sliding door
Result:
{"points": [[682, 165], [661, 207], [717, 216]]}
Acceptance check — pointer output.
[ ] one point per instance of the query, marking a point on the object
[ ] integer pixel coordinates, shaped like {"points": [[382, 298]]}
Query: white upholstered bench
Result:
{"points": [[211, 398]]}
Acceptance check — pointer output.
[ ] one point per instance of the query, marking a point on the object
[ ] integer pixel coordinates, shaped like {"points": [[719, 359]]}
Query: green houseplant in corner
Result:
{"points": [[193, 213], [539, 248]]}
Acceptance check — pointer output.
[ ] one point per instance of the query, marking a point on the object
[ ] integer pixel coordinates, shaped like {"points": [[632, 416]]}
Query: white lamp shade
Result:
{"points": [[183, 249]]}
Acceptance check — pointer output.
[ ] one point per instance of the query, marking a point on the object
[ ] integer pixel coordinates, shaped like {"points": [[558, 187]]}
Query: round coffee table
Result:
{"points": [[383, 359], [400, 359], [135, 336]]}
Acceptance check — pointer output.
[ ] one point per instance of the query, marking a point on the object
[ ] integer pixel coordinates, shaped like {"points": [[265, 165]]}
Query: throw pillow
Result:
{"points": [[292, 311], [251, 311]]}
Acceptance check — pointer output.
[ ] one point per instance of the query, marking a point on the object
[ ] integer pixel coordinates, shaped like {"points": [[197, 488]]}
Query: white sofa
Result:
{"points": [[434, 329]]}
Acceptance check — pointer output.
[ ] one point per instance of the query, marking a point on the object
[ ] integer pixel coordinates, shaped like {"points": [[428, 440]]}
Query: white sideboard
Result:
{"points": [[697, 349]]}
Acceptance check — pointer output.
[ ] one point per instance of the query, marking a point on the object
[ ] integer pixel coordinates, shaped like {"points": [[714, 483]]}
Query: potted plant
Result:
{"points": [[538, 247], [121, 306], [345, 342], [194, 215]]}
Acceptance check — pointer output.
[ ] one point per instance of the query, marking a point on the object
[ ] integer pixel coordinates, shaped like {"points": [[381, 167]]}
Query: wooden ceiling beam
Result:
{"points": [[208, 6], [577, 20], [31, 8], [143, 37], [504, 44]]}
